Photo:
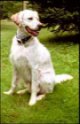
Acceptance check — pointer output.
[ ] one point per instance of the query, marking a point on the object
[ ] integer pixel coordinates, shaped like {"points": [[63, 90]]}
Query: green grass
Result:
{"points": [[61, 106]]}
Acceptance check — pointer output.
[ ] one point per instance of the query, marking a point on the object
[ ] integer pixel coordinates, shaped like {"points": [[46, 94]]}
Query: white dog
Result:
{"points": [[31, 60]]}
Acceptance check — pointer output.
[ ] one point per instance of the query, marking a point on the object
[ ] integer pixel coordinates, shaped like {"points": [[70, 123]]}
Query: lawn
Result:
{"points": [[62, 105]]}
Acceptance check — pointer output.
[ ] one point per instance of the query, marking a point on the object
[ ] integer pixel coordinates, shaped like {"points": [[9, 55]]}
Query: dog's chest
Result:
{"points": [[20, 58]]}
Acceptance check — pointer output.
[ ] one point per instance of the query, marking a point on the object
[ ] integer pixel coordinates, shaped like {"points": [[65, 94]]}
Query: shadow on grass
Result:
{"points": [[71, 38], [64, 39]]}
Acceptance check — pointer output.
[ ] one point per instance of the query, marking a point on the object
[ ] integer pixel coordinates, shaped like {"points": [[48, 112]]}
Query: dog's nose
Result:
{"points": [[40, 26]]}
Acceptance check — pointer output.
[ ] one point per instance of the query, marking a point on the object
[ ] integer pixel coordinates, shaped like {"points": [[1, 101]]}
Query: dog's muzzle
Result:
{"points": [[34, 32]]}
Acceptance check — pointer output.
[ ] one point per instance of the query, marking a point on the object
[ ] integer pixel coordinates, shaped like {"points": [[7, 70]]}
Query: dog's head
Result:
{"points": [[28, 21]]}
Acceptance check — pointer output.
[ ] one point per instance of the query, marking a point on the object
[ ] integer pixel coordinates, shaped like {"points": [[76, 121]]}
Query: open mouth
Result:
{"points": [[32, 32]]}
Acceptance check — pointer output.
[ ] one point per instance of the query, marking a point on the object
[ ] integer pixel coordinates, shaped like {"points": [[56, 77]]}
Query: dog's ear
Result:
{"points": [[15, 18]]}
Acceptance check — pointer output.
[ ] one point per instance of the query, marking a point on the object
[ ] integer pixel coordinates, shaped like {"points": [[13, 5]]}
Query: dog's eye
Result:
{"points": [[30, 18]]}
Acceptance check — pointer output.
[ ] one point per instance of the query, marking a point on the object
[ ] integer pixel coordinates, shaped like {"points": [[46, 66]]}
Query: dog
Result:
{"points": [[31, 60]]}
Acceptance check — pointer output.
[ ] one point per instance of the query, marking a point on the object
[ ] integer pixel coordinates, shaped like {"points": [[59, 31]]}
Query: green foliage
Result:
{"points": [[65, 13], [9, 7]]}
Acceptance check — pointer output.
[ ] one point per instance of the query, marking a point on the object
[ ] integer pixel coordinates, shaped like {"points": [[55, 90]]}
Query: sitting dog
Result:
{"points": [[30, 59]]}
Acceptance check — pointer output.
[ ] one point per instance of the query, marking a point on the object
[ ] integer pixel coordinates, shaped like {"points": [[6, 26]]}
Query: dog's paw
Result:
{"points": [[8, 92], [21, 92], [32, 102], [40, 97]]}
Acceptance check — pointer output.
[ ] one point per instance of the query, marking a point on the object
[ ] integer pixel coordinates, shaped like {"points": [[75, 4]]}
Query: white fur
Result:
{"points": [[32, 61], [62, 77]]}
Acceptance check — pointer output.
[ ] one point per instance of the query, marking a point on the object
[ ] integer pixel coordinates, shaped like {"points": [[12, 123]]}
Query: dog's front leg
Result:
{"points": [[34, 87], [13, 84]]}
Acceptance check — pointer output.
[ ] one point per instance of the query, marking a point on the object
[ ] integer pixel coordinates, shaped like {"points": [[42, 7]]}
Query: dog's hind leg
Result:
{"points": [[26, 89], [39, 97], [14, 83], [21, 91]]}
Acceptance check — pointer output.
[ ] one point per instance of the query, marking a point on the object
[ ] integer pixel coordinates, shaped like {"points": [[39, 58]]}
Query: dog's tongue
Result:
{"points": [[33, 32]]}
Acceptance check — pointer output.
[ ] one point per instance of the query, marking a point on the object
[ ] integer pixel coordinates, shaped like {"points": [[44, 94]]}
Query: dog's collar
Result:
{"points": [[24, 40]]}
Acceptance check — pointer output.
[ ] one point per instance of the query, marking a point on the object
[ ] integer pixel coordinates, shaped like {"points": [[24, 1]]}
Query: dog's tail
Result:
{"points": [[62, 77]]}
